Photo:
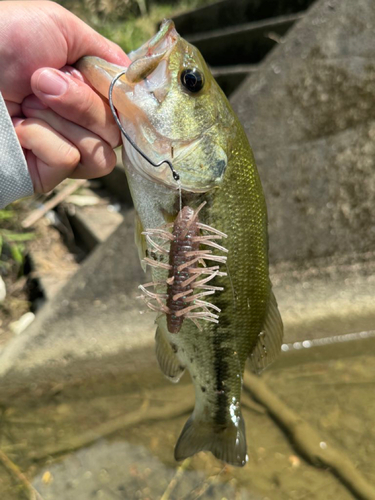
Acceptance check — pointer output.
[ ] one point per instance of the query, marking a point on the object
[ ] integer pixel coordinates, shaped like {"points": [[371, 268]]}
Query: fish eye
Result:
{"points": [[192, 80]]}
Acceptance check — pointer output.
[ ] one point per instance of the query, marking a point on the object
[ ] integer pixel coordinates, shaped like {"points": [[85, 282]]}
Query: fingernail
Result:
{"points": [[17, 121], [51, 83], [68, 70], [33, 102]]}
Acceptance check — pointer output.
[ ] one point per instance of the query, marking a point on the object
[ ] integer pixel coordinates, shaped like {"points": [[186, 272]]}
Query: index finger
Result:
{"points": [[14, 109], [74, 100]]}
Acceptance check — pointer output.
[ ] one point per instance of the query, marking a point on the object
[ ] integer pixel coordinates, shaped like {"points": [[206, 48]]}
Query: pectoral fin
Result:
{"points": [[270, 339], [167, 359], [140, 240]]}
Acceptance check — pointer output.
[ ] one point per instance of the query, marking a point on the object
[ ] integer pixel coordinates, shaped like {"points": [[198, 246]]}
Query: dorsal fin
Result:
{"points": [[270, 339]]}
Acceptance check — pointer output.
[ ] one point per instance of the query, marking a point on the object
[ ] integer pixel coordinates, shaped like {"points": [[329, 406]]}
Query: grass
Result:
{"points": [[129, 23], [13, 250], [12, 241]]}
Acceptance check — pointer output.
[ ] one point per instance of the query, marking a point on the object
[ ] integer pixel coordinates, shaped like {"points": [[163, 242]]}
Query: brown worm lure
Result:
{"points": [[189, 277]]}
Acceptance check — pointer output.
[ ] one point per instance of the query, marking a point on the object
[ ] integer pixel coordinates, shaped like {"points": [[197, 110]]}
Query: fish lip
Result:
{"points": [[166, 32], [164, 40], [146, 59]]}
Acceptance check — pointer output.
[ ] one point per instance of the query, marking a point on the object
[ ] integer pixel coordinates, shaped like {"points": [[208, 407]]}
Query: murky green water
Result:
{"points": [[119, 454]]}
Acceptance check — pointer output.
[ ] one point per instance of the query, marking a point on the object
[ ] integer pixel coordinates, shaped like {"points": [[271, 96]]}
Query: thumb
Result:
{"points": [[84, 41]]}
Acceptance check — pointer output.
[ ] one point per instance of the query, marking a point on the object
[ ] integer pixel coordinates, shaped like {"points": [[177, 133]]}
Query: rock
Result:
{"points": [[20, 325], [309, 115], [95, 316]]}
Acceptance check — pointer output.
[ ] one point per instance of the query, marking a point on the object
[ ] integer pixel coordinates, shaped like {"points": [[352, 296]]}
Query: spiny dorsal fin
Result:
{"points": [[140, 240], [167, 359], [270, 339]]}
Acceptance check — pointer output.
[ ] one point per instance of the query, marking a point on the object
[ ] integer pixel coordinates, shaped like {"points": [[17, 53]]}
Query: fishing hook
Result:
{"points": [[176, 176]]}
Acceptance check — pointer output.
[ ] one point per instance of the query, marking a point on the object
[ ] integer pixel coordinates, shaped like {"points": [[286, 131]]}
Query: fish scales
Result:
{"points": [[224, 348], [176, 111]]}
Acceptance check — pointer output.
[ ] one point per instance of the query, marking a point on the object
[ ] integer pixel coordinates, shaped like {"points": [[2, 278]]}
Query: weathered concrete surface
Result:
{"points": [[95, 315], [222, 14], [326, 297], [93, 224], [248, 42], [309, 113]]}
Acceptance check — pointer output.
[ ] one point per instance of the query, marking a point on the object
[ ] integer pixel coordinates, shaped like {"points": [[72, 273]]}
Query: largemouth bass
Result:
{"points": [[173, 109]]}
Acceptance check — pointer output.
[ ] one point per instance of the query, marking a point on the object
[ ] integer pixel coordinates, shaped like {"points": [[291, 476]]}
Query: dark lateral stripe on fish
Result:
{"points": [[221, 368]]}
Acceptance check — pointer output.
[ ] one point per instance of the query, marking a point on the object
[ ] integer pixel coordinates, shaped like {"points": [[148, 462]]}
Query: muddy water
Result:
{"points": [[117, 452]]}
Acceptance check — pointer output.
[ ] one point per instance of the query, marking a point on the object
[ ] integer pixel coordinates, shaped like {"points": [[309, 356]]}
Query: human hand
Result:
{"points": [[65, 128]]}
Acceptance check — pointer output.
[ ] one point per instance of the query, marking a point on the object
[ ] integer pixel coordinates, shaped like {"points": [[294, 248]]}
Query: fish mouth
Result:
{"points": [[199, 167], [147, 78], [146, 59], [163, 39]]}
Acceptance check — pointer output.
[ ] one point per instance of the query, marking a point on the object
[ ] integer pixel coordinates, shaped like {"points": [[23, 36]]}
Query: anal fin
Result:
{"points": [[167, 359], [270, 339]]}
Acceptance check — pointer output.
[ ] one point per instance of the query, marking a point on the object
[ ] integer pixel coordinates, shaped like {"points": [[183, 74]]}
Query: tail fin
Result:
{"points": [[225, 443]]}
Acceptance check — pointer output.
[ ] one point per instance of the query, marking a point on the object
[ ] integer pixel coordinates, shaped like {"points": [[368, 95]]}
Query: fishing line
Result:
{"points": [[176, 176], [180, 194]]}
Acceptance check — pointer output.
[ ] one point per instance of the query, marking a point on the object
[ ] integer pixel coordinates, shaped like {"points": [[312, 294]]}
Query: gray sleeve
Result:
{"points": [[15, 181]]}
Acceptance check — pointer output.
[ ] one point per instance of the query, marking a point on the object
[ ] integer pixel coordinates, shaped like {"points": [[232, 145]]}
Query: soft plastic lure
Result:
{"points": [[189, 277]]}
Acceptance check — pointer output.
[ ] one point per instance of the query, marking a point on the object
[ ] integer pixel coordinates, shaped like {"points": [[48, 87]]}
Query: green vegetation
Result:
{"points": [[12, 241], [129, 23], [13, 250]]}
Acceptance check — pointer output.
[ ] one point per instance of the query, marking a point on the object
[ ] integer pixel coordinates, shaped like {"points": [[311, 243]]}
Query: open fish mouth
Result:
{"points": [[162, 40], [199, 163], [162, 117], [146, 59]]}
